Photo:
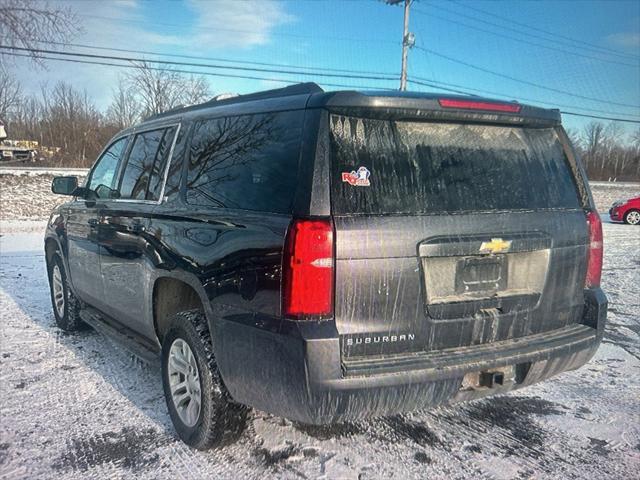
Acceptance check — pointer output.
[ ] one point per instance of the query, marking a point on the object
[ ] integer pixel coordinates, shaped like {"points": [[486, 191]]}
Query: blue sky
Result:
{"points": [[593, 68]]}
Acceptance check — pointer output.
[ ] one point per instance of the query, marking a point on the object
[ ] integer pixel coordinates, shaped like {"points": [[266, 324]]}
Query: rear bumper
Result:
{"points": [[296, 371]]}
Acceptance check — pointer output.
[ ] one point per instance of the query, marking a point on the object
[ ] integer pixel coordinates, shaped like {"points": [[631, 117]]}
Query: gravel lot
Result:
{"points": [[79, 406]]}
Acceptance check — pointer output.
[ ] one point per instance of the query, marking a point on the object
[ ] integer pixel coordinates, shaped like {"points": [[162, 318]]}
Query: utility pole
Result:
{"points": [[408, 41]]}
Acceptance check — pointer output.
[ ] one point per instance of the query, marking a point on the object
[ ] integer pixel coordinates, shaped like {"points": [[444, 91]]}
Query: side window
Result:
{"points": [[103, 176], [147, 155], [174, 175], [248, 162], [160, 166]]}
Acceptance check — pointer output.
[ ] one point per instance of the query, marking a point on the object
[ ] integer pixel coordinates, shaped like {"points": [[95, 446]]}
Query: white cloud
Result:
{"points": [[629, 40], [233, 23], [124, 24]]}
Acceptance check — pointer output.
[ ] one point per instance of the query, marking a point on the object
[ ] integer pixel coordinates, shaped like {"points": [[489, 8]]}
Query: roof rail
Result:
{"points": [[297, 89]]}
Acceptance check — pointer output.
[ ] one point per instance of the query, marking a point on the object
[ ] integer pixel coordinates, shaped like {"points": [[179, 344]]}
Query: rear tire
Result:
{"points": [[66, 307], [201, 408], [632, 217]]}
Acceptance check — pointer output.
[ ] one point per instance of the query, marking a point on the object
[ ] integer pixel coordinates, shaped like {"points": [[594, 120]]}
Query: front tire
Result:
{"points": [[66, 307], [632, 217], [201, 409]]}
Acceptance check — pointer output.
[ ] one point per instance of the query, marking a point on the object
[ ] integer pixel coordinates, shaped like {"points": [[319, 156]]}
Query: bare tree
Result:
{"points": [[635, 138], [593, 134], [160, 89], [10, 94], [23, 23], [574, 136], [609, 153], [196, 90], [124, 110]]}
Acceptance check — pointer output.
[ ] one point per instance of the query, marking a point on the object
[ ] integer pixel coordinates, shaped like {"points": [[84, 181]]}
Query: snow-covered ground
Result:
{"points": [[25, 192], [79, 406]]}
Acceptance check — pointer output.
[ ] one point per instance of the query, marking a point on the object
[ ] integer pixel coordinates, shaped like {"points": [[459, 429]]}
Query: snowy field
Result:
{"points": [[79, 406], [25, 193]]}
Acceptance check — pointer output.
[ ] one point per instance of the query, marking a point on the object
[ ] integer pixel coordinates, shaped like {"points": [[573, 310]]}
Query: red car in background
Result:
{"points": [[627, 211]]}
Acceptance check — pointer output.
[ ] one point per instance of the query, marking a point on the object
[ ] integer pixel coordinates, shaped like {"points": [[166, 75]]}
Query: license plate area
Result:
{"points": [[481, 274], [459, 280]]}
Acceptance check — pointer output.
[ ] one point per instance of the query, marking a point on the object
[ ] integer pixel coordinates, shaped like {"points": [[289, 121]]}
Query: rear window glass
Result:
{"points": [[248, 162], [386, 166]]}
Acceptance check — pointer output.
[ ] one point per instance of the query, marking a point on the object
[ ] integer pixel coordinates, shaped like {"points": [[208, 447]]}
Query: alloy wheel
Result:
{"points": [[184, 382], [58, 290]]}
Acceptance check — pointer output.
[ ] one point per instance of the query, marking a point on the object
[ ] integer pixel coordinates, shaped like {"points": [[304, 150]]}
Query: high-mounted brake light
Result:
{"points": [[308, 269], [595, 250], [479, 105]]}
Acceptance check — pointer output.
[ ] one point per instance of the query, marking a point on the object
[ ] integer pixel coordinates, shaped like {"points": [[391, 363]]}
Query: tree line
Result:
{"points": [[62, 116], [65, 117], [608, 151]]}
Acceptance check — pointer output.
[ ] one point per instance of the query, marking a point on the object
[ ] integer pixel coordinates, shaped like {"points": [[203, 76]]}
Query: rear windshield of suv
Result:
{"points": [[403, 167]]}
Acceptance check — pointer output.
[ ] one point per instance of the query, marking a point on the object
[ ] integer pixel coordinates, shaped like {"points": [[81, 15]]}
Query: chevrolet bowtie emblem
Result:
{"points": [[496, 245]]}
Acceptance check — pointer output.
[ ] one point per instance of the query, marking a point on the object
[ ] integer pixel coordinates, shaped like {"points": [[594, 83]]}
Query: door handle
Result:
{"points": [[137, 227]]}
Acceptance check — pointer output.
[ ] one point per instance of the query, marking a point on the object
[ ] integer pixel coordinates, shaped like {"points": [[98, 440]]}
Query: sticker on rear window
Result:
{"points": [[359, 178]]}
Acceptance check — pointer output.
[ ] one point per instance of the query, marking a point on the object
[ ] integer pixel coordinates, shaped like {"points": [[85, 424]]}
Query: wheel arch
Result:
{"points": [[173, 294], [51, 246]]}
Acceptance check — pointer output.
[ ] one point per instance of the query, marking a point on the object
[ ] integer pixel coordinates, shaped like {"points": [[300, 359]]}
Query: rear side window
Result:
{"points": [[145, 164], [382, 166], [174, 173], [248, 162]]}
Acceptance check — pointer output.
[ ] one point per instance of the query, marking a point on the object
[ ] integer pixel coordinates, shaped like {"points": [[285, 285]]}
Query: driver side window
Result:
{"points": [[104, 175]]}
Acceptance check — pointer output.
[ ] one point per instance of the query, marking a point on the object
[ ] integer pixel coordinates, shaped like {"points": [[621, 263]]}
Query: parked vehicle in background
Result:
{"points": [[333, 256], [3, 131], [18, 150], [627, 211]]}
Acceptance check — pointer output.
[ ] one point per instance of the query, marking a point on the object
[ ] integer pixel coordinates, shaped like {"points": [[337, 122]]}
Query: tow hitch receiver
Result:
{"points": [[489, 379], [493, 378]]}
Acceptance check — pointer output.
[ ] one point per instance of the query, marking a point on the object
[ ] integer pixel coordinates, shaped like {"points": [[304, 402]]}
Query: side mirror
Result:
{"points": [[64, 185]]}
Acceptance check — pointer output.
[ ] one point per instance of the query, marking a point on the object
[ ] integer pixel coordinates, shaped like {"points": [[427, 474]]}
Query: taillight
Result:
{"points": [[594, 255], [308, 269], [479, 105]]}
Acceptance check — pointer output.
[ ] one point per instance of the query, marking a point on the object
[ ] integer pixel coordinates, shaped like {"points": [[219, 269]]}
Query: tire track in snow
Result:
{"points": [[87, 394]]}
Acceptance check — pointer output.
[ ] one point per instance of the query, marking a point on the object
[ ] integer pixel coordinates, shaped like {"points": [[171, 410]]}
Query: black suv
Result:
{"points": [[331, 256]]}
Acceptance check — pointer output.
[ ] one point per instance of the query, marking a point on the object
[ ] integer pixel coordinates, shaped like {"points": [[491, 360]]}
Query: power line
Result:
{"points": [[564, 112], [190, 64], [190, 72], [525, 82], [280, 80], [215, 59], [599, 117], [434, 84], [467, 90], [547, 32], [450, 87], [503, 35], [293, 72]]}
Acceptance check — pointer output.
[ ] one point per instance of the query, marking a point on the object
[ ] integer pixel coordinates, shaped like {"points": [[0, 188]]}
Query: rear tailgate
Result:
{"points": [[452, 235]]}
